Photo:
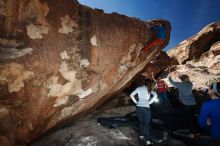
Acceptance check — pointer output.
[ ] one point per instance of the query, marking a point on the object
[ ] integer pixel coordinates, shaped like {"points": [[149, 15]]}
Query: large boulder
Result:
{"points": [[60, 60], [195, 46], [199, 57], [211, 59]]}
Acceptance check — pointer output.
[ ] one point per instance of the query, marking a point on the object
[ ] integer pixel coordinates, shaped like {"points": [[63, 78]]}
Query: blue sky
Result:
{"points": [[187, 17]]}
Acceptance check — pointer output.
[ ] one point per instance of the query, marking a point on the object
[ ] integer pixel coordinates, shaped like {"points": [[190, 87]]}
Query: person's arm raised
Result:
{"points": [[153, 77], [167, 87], [176, 84]]}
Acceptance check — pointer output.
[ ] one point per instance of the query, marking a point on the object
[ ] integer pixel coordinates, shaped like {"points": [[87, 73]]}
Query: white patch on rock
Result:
{"points": [[72, 87], [13, 75], [68, 75], [61, 101], [84, 63], [16, 85], [3, 79], [3, 111], [128, 58], [152, 61], [63, 67], [126, 61], [36, 32], [30, 126], [19, 82], [93, 40], [85, 93], [96, 87], [103, 86], [118, 135], [67, 25], [54, 89], [52, 80], [14, 53], [58, 90], [123, 68], [64, 55], [88, 141], [67, 111]]}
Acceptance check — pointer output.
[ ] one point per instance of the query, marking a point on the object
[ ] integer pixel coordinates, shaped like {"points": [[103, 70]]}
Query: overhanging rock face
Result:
{"points": [[60, 60], [161, 62]]}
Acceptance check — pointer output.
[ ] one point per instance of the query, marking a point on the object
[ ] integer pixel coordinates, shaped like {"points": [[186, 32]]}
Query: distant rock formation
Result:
{"points": [[199, 57], [60, 60], [193, 47]]}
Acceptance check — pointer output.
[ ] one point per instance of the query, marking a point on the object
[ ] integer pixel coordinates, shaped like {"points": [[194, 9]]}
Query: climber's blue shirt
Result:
{"points": [[211, 109], [160, 31]]}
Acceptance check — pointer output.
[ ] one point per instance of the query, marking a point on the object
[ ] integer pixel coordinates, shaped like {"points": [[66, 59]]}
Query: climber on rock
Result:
{"points": [[158, 38]]}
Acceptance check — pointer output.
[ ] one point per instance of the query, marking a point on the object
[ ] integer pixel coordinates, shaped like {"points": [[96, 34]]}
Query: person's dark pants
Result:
{"points": [[189, 112], [164, 97], [144, 117]]}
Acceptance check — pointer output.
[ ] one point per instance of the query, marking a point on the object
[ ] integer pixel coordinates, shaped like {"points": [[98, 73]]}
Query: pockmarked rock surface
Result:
{"points": [[199, 57], [60, 60], [161, 62]]}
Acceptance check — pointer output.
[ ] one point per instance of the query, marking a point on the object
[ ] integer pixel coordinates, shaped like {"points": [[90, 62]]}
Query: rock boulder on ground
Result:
{"points": [[195, 46], [199, 57], [60, 60]]}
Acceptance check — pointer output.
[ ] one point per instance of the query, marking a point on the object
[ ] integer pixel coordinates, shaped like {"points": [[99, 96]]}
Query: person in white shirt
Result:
{"points": [[143, 91]]}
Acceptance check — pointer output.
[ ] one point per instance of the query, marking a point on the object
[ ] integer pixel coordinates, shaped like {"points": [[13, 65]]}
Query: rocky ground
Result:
{"points": [[88, 133]]}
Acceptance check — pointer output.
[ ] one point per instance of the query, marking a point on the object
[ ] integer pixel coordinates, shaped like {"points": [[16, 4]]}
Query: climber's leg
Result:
{"points": [[155, 42]]}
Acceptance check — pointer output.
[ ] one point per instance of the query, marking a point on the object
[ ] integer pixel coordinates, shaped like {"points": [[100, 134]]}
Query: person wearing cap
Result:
{"points": [[210, 113]]}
